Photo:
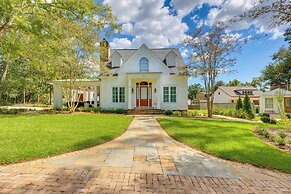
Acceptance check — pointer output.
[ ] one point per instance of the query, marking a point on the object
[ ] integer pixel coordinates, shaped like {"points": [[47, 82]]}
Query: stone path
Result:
{"points": [[143, 160]]}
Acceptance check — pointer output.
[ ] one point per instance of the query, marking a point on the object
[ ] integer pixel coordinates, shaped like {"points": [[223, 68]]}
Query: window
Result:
{"points": [[170, 94], [144, 65], [166, 94], [218, 93], [173, 94], [269, 103], [118, 94], [288, 102], [114, 94], [121, 94]]}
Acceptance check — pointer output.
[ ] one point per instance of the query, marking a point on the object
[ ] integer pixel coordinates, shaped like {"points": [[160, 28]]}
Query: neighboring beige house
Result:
{"points": [[143, 77], [269, 102], [230, 94]]}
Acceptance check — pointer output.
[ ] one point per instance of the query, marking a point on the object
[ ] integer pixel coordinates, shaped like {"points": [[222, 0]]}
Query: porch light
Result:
{"points": [[132, 90], [155, 90]]}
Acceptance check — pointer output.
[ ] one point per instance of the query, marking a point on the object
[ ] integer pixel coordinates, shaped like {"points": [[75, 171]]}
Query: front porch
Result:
{"points": [[83, 92], [144, 90]]}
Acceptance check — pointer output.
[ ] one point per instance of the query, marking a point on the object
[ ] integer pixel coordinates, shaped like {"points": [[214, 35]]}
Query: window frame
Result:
{"points": [[169, 94], [267, 104], [118, 94], [144, 65]]}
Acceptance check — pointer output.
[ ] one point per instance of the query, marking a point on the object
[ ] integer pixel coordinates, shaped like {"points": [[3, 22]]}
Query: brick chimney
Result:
{"points": [[104, 50]]}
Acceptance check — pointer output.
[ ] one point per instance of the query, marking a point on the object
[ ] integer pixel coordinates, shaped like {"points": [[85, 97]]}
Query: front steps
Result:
{"points": [[145, 111]]}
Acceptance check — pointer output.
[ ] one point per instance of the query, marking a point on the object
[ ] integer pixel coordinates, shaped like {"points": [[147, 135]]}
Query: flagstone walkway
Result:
{"points": [[143, 160]]}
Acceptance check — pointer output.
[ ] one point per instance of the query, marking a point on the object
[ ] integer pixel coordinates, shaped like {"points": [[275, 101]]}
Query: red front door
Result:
{"points": [[144, 95]]}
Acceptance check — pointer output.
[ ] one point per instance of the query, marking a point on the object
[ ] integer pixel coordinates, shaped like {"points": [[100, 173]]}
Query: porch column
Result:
{"points": [[57, 96], [129, 94], [95, 96], [158, 93]]}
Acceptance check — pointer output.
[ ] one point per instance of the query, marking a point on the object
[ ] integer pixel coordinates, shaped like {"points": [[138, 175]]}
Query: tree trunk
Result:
{"points": [[24, 94], [4, 75], [209, 108]]}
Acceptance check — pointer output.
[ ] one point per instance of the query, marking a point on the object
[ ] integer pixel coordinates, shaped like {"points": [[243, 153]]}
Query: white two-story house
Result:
{"points": [[143, 77]]}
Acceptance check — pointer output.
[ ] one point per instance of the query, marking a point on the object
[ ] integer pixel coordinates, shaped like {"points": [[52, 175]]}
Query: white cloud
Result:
{"points": [[232, 8], [120, 43], [149, 22], [184, 7]]}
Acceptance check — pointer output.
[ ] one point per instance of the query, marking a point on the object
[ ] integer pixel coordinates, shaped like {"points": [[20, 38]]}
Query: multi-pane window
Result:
{"points": [[118, 94], [269, 103], [169, 94], [121, 94], [144, 65], [115, 94], [173, 94], [166, 94]]}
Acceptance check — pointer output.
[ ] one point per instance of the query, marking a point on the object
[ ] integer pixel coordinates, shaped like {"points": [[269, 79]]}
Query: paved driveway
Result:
{"points": [[144, 159]]}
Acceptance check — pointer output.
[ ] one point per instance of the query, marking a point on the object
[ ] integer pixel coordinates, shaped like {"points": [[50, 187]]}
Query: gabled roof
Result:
{"points": [[160, 53], [276, 91], [233, 91]]}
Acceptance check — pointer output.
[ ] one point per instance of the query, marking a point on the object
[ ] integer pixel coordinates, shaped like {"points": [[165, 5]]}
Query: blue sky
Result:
{"points": [[166, 23]]}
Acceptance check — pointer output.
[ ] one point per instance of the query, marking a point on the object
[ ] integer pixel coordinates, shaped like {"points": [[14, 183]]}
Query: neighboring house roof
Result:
{"points": [[276, 91], [161, 53], [235, 91]]}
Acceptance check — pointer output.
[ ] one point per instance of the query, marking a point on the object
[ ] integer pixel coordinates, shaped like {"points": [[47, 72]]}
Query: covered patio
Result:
{"points": [[86, 92]]}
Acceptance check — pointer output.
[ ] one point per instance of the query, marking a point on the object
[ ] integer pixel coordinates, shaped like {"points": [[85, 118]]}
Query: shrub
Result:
{"points": [[273, 121], [239, 104], [193, 113], [248, 107], [260, 130], [119, 111], [9, 111], [265, 119], [168, 112], [280, 141], [282, 134], [272, 138], [177, 113], [257, 110], [288, 116], [265, 115]]}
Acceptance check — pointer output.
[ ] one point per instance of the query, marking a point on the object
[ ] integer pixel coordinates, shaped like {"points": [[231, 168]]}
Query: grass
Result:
{"points": [[199, 111], [229, 140], [27, 137]]}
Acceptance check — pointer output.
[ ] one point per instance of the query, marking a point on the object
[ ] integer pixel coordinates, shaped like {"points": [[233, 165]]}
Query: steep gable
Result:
{"points": [[155, 63]]}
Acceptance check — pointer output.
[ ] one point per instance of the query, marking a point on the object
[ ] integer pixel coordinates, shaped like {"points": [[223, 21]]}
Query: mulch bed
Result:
{"points": [[274, 132]]}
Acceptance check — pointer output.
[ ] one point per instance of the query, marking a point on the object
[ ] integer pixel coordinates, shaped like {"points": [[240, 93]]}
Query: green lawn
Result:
{"points": [[227, 139], [26, 137], [199, 111]]}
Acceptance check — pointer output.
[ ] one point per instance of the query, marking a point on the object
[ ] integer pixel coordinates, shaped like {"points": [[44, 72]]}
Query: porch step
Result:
{"points": [[142, 111]]}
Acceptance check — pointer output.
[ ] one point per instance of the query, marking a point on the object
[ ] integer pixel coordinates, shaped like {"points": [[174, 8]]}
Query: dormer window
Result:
{"points": [[143, 65]]}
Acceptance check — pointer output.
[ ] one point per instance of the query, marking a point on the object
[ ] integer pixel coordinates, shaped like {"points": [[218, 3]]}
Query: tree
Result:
{"points": [[279, 71], [193, 90], [56, 39], [239, 104], [234, 82], [248, 107], [211, 55], [279, 9], [258, 82], [217, 84]]}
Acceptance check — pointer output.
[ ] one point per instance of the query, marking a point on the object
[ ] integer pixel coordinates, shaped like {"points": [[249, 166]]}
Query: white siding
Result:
{"points": [[116, 60], [158, 82], [221, 97], [181, 84], [106, 92], [171, 59], [132, 65], [275, 108]]}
